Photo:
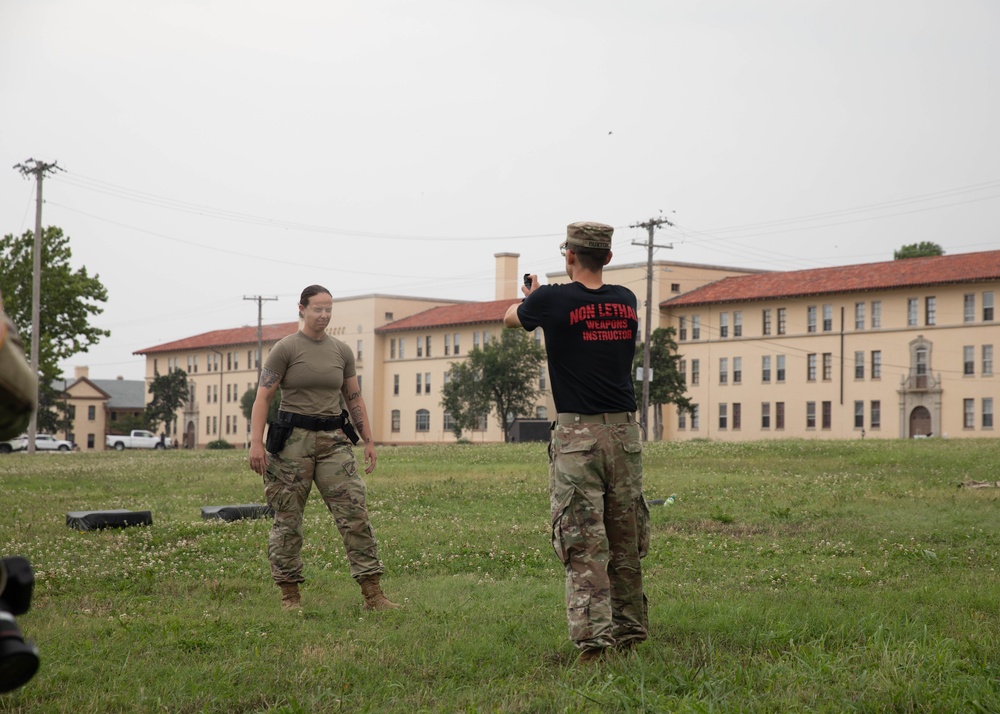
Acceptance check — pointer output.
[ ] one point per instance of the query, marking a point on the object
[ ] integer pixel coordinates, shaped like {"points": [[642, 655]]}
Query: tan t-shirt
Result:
{"points": [[312, 373]]}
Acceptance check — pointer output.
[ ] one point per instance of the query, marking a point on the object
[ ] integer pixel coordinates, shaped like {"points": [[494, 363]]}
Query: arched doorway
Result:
{"points": [[189, 436], [920, 422]]}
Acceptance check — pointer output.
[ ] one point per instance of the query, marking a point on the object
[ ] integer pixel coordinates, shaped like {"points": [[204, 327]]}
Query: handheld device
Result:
{"points": [[527, 280]]}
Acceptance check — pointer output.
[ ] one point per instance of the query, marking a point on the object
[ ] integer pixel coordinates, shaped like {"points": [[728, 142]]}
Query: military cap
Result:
{"points": [[587, 234]]}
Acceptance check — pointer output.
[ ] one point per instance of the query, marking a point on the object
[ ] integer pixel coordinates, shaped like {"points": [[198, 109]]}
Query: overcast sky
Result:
{"points": [[217, 149]]}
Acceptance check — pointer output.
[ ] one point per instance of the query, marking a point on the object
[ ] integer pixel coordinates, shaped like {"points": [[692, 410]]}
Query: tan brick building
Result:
{"points": [[885, 350]]}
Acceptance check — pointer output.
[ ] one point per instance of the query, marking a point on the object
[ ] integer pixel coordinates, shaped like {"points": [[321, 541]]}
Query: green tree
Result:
{"points": [[246, 404], [668, 385], [169, 391], [69, 299], [918, 250], [502, 377], [128, 422]]}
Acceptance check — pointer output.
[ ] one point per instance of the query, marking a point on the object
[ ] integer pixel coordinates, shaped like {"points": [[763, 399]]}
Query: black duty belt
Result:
{"points": [[312, 423], [565, 418]]}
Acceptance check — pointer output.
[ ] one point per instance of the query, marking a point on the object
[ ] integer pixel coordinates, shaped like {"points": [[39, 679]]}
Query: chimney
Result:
{"points": [[81, 372], [508, 280]]}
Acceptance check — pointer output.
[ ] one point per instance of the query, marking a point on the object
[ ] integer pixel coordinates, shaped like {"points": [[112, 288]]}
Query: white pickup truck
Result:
{"points": [[138, 439]]}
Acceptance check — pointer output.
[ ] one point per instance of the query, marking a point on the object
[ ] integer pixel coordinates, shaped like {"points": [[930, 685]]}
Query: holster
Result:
{"points": [[349, 429], [277, 435]]}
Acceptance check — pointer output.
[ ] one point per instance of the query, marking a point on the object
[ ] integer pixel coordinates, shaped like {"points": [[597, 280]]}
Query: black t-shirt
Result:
{"points": [[590, 342]]}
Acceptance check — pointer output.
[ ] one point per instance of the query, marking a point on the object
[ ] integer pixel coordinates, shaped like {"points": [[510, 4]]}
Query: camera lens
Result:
{"points": [[18, 659]]}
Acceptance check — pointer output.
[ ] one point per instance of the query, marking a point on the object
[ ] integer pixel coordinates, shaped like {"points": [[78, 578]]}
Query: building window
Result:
{"points": [[682, 329], [876, 364], [987, 412], [427, 382], [419, 386], [695, 371], [988, 306], [695, 417], [392, 348], [810, 415], [827, 414], [420, 347], [859, 316], [475, 340], [827, 366], [765, 328], [723, 324], [780, 368], [782, 322], [737, 370], [737, 416], [911, 312], [827, 318], [779, 415], [765, 415], [681, 419], [675, 287], [447, 345], [541, 413], [482, 421], [859, 365], [968, 360], [876, 314], [969, 413], [811, 367], [811, 318], [541, 379], [91, 413], [930, 311], [402, 346], [876, 414], [395, 420], [90, 441], [765, 368], [859, 415], [427, 346], [723, 370], [696, 327], [449, 422], [969, 305], [737, 323], [456, 343], [723, 416], [987, 370], [395, 385], [423, 420]]}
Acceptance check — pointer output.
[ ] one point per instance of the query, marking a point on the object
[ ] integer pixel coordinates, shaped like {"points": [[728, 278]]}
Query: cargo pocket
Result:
{"points": [[642, 525]]}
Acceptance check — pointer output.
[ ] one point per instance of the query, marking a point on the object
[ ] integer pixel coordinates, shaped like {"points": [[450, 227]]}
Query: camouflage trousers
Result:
{"points": [[326, 459], [600, 530]]}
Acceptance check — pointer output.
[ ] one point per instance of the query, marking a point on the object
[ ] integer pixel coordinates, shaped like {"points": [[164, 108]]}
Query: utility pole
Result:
{"points": [[651, 225], [260, 335], [39, 169]]}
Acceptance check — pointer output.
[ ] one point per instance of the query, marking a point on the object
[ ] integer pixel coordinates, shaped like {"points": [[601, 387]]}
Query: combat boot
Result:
{"points": [[290, 599], [374, 598]]}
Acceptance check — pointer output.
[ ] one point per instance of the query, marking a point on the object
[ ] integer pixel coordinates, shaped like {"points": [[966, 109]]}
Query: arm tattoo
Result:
{"points": [[268, 378], [353, 395], [359, 424]]}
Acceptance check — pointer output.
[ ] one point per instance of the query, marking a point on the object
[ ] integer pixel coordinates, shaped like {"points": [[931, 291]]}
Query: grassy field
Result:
{"points": [[787, 576]]}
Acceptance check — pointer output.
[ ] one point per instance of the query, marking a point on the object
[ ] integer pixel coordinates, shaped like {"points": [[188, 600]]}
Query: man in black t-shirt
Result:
{"points": [[600, 522]]}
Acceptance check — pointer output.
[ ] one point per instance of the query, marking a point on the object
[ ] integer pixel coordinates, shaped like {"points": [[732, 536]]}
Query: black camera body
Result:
{"points": [[18, 659]]}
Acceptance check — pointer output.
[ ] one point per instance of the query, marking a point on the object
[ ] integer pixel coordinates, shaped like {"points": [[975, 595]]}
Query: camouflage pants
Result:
{"points": [[600, 530], [326, 458]]}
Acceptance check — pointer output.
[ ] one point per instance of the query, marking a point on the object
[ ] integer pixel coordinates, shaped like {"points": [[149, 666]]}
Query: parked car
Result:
{"points": [[17, 444], [43, 442], [138, 439]]}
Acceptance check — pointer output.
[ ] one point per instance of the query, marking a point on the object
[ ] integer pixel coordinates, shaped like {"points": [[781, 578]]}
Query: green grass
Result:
{"points": [[788, 576]]}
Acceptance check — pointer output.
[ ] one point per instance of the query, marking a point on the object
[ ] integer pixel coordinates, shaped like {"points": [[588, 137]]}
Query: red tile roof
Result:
{"points": [[469, 313], [908, 272], [225, 338]]}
